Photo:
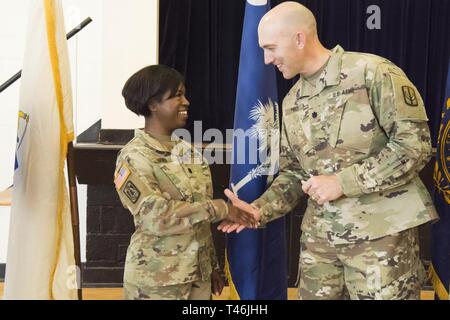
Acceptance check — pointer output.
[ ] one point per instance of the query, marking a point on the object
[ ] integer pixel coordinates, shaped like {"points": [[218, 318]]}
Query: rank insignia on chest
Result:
{"points": [[121, 176], [131, 191]]}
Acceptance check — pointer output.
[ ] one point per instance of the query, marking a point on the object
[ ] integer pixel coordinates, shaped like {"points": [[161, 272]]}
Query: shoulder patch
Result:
{"points": [[122, 174], [409, 95], [131, 191], [407, 100]]}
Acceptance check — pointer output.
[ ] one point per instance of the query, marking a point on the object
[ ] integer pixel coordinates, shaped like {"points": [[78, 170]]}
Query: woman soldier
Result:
{"points": [[171, 253]]}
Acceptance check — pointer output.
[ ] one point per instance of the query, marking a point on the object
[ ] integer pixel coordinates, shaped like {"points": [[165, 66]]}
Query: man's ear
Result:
{"points": [[300, 40]]}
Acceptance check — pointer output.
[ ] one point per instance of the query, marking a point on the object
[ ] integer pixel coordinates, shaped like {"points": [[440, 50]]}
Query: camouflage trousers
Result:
{"points": [[197, 290], [387, 268]]}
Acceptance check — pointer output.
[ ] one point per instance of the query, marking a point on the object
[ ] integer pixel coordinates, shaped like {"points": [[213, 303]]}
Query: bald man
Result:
{"points": [[354, 137]]}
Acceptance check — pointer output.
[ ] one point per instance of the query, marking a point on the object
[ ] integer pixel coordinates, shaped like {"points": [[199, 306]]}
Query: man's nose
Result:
{"points": [[268, 58]]}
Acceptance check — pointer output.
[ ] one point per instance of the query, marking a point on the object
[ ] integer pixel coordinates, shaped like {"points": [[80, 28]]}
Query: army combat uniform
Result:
{"points": [[167, 188], [362, 120]]}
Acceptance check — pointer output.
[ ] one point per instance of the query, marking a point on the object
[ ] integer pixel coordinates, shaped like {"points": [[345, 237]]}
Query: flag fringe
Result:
{"points": [[438, 286], [65, 137]]}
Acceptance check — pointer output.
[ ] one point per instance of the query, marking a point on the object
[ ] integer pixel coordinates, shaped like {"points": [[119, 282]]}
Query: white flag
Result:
{"points": [[40, 260]]}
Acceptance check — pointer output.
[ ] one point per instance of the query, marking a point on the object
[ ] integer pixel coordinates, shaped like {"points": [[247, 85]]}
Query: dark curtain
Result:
{"points": [[202, 39]]}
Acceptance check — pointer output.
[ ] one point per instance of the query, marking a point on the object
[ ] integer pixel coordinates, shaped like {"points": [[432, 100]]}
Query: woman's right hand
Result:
{"points": [[241, 212]]}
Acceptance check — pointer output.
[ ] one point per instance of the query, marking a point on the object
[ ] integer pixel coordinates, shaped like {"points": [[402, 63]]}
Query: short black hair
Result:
{"points": [[149, 85]]}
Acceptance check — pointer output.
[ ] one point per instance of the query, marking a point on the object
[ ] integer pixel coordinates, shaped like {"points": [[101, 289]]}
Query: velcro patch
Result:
{"points": [[122, 176], [407, 100], [409, 95], [131, 191]]}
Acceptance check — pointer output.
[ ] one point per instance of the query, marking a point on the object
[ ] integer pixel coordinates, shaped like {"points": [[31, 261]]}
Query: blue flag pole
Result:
{"points": [[256, 259]]}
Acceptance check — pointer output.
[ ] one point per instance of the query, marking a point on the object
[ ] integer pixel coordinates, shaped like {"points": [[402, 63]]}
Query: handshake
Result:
{"points": [[321, 189], [241, 215]]}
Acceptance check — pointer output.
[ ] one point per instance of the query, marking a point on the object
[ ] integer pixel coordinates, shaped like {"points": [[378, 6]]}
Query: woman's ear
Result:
{"points": [[152, 106]]}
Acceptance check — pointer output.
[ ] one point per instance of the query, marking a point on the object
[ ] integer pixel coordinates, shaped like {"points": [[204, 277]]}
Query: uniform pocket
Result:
{"points": [[174, 181], [354, 129], [335, 119], [200, 181], [172, 245]]}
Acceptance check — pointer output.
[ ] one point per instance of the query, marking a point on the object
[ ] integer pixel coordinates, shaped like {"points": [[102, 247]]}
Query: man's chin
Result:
{"points": [[287, 76]]}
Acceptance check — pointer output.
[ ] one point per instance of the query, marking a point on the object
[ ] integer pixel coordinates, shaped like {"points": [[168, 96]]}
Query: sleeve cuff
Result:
{"points": [[218, 209], [215, 264], [203, 214], [263, 211], [348, 182]]}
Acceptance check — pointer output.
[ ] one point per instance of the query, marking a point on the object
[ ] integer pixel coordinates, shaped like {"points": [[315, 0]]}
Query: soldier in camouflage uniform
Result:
{"points": [[354, 138], [166, 185]]}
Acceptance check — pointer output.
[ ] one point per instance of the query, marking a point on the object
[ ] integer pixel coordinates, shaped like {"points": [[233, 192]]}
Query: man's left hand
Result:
{"points": [[230, 226], [323, 189]]}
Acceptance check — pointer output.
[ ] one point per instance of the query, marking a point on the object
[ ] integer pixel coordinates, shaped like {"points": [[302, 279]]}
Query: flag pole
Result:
{"points": [[74, 214]]}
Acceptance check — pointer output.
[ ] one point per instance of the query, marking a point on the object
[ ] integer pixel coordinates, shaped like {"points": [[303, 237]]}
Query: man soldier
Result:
{"points": [[354, 137]]}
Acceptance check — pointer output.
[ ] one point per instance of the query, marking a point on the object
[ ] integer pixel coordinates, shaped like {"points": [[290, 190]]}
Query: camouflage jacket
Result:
{"points": [[169, 196], [365, 122]]}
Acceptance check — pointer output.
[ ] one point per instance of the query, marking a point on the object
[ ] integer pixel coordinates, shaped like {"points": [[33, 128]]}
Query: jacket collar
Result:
{"points": [[181, 148], [150, 141], [330, 75]]}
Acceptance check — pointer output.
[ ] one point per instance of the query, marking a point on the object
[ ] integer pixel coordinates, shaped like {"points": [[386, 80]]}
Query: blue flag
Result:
{"points": [[440, 266], [256, 259]]}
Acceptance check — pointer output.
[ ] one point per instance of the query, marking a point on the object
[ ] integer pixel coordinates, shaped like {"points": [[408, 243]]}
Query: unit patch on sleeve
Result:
{"points": [[131, 191], [409, 94]]}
